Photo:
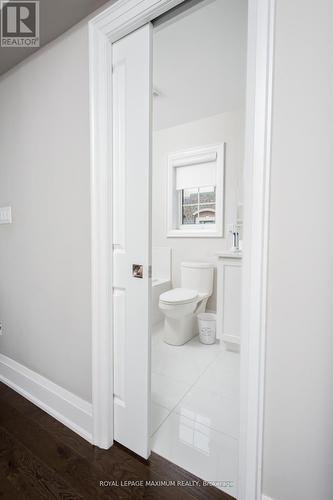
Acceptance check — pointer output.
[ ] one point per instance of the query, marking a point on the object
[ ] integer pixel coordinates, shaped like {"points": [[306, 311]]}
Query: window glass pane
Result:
{"points": [[206, 214], [190, 196], [207, 194], [188, 214]]}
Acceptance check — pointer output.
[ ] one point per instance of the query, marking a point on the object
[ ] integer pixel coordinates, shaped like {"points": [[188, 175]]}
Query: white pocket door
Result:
{"points": [[132, 94]]}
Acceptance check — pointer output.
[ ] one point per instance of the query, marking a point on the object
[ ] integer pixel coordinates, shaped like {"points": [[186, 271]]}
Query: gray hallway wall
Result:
{"points": [[44, 176]]}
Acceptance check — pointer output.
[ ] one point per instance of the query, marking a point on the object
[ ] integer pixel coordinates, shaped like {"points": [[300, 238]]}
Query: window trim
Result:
{"points": [[174, 228]]}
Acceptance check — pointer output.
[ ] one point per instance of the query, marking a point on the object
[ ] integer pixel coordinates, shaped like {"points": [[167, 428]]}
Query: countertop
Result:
{"points": [[227, 254]]}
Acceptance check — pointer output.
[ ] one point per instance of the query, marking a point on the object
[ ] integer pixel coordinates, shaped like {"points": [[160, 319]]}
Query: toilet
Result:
{"points": [[180, 306]]}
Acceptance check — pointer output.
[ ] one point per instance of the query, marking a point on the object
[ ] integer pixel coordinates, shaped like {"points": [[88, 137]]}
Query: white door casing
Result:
{"points": [[132, 94], [116, 21]]}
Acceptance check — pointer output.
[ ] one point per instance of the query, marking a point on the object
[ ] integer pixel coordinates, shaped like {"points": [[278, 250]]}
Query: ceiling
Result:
{"points": [[56, 16], [199, 62]]}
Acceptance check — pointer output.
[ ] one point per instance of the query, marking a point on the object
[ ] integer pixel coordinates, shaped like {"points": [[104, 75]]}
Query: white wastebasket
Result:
{"points": [[207, 328]]}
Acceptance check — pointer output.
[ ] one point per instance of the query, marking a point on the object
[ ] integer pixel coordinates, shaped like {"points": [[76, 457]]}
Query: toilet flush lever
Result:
{"points": [[137, 271]]}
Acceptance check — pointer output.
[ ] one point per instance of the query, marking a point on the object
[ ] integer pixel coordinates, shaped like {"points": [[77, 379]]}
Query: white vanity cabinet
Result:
{"points": [[229, 289]]}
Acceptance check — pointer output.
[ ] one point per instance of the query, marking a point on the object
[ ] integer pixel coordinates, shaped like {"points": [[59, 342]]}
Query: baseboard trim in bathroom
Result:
{"points": [[69, 409]]}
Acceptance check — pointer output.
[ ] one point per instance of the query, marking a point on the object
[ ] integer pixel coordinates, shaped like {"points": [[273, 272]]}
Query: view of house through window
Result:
{"points": [[198, 205]]}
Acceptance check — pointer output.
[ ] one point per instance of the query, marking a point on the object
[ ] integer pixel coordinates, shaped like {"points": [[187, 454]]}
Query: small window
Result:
{"points": [[198, 205], [195, 193]]}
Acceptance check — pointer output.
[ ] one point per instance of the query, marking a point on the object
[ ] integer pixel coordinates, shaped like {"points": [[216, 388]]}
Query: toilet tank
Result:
{"points": [[197, 276]]}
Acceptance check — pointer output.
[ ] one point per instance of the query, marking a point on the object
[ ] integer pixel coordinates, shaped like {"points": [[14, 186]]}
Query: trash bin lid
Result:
{"points": [[207, 316]]}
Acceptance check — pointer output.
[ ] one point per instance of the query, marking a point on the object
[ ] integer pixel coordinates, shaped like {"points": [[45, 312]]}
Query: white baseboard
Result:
{"points": [[265, 497], [61, 404]]}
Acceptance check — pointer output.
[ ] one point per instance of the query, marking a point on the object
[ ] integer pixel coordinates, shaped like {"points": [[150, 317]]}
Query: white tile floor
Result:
{"points": [[195, 408]]}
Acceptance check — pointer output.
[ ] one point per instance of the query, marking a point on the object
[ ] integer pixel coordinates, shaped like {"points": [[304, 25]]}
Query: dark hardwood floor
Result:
{"points": [[41, 458]]}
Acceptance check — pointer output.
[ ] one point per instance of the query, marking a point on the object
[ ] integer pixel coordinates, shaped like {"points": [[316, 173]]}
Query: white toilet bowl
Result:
{"points": [[180, 306]]}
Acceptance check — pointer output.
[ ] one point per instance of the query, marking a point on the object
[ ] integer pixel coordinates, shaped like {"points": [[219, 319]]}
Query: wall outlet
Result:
{"points": [[5, 215]]}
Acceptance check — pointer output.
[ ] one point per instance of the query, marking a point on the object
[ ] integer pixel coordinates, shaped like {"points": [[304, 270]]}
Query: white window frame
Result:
{"points": [[185, 227], [174, 227]]}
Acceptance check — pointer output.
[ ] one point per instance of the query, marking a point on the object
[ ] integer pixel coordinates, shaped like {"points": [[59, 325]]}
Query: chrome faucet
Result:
{"points": [[235, 231]]}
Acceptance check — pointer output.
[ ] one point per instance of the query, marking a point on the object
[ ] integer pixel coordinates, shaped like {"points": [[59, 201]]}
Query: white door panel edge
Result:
{"points": [[116, 21], [132, 94], [110, 25]]}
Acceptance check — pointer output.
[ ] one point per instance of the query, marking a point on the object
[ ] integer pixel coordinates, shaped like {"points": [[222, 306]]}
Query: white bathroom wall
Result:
{"points": [[199, 61], [44, 176], [226, 127]]}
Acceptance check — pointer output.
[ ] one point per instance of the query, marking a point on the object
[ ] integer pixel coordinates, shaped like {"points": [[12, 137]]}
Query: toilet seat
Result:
{"points": [[180, 306], [178, 296]]}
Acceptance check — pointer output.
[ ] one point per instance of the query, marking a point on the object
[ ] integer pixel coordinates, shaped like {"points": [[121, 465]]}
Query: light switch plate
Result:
{"points": [[5, 215]]}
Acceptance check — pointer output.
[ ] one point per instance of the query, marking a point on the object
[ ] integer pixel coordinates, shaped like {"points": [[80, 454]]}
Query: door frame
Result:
{"points": [[118, 20]]}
